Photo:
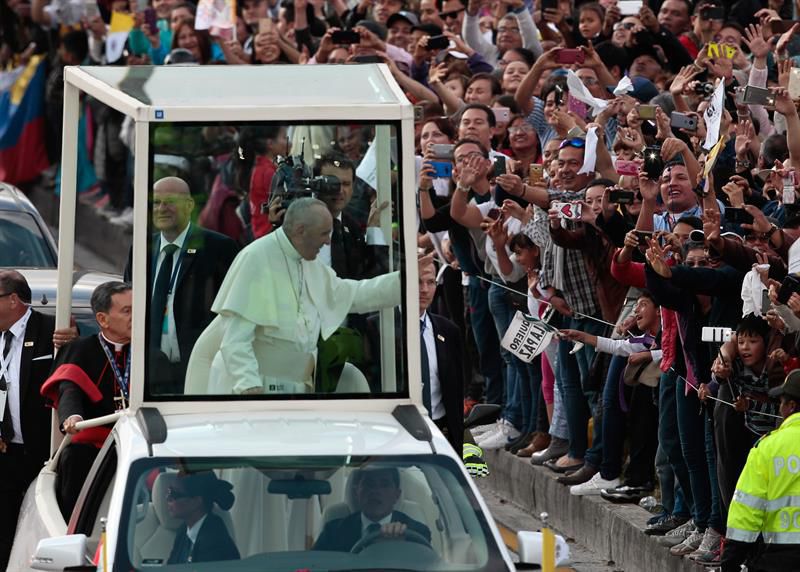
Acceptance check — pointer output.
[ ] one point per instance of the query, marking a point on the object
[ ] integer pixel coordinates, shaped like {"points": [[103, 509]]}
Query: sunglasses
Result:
{"points": [[451, 14], [576, 142], [173, 494]]}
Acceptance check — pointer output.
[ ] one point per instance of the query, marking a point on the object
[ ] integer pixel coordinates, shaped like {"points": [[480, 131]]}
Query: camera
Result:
{"points": [[293, 179], [704, 88]]}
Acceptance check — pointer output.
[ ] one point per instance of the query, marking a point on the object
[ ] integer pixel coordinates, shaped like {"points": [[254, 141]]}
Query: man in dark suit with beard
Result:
{"points": [[188, 266], [376, 491], [26, 352]]}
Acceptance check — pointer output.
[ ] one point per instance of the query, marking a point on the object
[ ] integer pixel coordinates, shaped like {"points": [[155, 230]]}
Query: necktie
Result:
{"points": [[185, 551], [338, 251], [7, 427], [372, 528], [160, 294], [426, 373]]}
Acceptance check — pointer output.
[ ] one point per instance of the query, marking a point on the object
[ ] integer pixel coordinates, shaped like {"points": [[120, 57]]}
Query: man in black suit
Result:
{"points": [[354, 253], [376, 491], [442, 356], [189, 264], [26, 355]]}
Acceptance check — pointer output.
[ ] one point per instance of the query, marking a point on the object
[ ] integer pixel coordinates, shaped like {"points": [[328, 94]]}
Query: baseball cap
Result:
{"points": [[409, 17], [374, 27], [643, 89], [790, 387]]}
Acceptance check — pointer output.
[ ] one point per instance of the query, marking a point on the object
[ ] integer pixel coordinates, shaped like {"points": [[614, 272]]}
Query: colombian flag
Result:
{"points": [[22, 152]]}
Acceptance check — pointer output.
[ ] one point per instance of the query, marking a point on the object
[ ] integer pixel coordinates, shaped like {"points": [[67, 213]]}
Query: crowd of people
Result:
{"points": [[625, 174]]}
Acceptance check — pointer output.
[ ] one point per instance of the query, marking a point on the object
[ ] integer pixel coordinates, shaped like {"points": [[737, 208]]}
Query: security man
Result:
{"points": [[766, 503]]}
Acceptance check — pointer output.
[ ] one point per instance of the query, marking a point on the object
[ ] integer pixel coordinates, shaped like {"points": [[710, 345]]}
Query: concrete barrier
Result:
{"points": [[612, 530]]}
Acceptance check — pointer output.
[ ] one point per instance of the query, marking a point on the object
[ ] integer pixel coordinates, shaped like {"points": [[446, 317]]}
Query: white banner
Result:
{"points": [[526, 337], [714, 115]]}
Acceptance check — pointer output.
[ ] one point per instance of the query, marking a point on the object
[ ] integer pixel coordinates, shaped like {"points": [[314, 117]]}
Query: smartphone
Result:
{"points": [[629, 7], [738, 216], [549, 5], [568, 211], [789, 286], [501, 114], [644, 236], [569, 56], [499, 166], [345, 37], [368, 59], [494, 213], [150, 19], [766, 303], [712, 13], [716, 334], [653, 163], [265, 25], [558, 98], [794, 83], [781, 26], [680, 120], [621, 197], [536, 174], [789, 195], [438, 43], [647, 111], [442, 169], [629, 168], [419, 113], [442, 150], [758, 96], [577, 107]]}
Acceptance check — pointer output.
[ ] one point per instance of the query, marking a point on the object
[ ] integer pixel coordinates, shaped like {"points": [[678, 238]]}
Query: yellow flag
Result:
{"points": [[121, 22]]}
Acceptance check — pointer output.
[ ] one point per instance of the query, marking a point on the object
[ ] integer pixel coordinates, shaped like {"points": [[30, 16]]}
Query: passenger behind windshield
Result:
{"points": [[279, 298], [377, 490], [203, 536]]}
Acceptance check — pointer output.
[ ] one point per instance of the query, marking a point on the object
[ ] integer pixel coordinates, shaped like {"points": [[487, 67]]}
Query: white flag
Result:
{"points": [[714, 115], [624, 86], [526, 337], [581, 93]]}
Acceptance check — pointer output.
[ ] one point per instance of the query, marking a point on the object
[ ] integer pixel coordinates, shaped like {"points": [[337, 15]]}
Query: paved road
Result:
{"points": [[86, 259]]}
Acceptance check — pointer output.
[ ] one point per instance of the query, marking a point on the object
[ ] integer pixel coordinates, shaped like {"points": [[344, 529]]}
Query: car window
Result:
{"points": [[22, 244], [241, 304], [95, 497], [286, 513]]}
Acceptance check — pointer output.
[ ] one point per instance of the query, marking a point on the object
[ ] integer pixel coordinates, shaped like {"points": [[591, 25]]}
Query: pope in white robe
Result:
{"points": [[276, 301]]}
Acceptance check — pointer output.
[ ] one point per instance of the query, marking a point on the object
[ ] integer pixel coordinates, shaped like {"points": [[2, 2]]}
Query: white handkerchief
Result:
{"points": [[579, 92], [48, 356], [624, 86], [590, 152]]}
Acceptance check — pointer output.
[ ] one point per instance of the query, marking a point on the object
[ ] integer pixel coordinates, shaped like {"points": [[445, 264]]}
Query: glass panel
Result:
{"points": [[24, 246], [226, 86], [286, 513], [267, 274]]}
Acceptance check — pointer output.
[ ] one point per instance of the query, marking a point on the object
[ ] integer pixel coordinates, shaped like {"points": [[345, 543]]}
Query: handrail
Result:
{"points": [[80, 426]]}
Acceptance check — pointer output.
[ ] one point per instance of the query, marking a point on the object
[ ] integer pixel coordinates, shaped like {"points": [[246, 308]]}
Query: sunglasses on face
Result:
{"points": [[451, 14]]}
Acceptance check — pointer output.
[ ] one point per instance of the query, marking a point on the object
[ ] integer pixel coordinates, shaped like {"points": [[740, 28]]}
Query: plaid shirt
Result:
{"points": [[576, 284]]}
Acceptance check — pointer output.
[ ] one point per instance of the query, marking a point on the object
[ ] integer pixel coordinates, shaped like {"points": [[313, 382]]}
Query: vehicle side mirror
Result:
{"points": [[482, 414], [530, 549], [62, 553]]}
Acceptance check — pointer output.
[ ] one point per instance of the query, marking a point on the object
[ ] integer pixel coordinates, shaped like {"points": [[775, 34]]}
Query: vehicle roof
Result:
{"points": [[278, 433], [12, 199]]}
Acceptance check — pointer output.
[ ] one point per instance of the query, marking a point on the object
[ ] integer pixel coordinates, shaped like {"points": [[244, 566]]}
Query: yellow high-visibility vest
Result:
{"points": [[767, 497]]}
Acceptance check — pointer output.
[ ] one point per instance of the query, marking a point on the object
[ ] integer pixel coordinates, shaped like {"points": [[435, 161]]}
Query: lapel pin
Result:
{"points": [[191, 251], [27, 345], [440, 337]]}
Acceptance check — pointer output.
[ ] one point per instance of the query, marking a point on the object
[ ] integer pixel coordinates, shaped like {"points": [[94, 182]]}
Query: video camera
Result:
{"points": [[294, 179]]}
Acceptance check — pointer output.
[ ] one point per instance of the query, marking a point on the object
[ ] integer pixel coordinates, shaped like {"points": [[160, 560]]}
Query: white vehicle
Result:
{"points": [[268, 480]]}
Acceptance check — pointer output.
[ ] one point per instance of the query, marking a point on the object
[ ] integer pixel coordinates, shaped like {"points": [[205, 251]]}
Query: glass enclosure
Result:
{"points": [[274, 265], [316, 513]]}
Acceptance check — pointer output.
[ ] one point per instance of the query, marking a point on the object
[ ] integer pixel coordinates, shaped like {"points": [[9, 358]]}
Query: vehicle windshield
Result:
{"points": [[274, 264], [24, 246], [312, 513]]}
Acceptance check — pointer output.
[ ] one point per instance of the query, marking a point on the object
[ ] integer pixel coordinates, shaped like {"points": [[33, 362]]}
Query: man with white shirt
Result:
{"points": [[188, 265], [376, 490], [26, 355]]}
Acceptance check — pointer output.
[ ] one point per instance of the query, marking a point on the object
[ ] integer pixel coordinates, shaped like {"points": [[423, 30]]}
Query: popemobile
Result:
{"points": [[280, 424]]}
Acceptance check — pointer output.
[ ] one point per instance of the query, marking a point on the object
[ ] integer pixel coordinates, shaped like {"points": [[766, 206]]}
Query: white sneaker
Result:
{"points": [[484, 429], [593, 486], [711, 542], [689, 545], [506, 433]]}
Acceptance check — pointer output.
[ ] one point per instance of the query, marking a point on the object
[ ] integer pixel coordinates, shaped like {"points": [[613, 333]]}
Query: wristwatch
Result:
{"points": [[463, 189], [771, 231], [743, 165]]}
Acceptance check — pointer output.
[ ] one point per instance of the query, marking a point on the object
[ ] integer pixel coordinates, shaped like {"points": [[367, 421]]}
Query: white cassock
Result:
{"points": [[274, 306]]}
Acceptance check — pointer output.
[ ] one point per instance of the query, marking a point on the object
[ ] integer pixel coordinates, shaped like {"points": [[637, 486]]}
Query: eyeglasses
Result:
{"points": [[520, 129], [503, 30], [576, 142], [451, 14], [173, 494]]}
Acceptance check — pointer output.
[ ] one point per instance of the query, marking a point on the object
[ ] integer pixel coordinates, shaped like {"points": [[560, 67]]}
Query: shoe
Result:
{"points": [[540, 442], [479, 430], [90, 196], [556, 449], [711, 558], [553, 465], [627, 493], [664, 525], [102, 201], [469, 403], [506, 433], [522, 441], [677, 535], [689, 545], [591, 487], [710, 544], [656, 518]]}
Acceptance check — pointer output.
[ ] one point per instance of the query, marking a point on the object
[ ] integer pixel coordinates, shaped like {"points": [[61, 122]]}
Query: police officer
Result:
{"points": [[764, 516]]}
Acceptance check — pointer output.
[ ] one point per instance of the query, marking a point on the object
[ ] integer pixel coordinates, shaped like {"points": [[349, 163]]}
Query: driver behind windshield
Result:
{"points": [[376, 492], [203, 536]]}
